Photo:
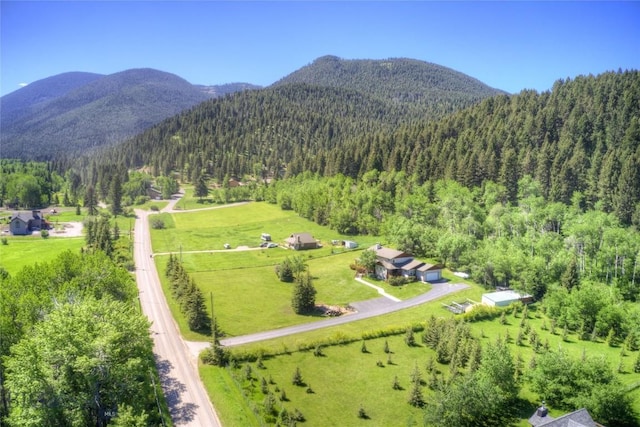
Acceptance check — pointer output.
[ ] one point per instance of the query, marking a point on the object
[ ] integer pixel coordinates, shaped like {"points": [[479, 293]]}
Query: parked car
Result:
{"points": [[272, 245], [227, 246], [264, 244]]}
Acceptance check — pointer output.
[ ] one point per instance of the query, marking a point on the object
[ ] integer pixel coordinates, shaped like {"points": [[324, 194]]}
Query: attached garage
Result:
{"points": [[429, 273]]}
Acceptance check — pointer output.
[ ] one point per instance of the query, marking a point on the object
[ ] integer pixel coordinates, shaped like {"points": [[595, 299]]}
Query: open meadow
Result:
{"points": [[249, 298], [21, 251], [343, 378]]}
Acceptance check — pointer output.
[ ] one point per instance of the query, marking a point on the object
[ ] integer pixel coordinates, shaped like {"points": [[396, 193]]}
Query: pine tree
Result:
{"points": [[297, 378], [201, 189], [415, 396], [90, 201], [115, 194], [303, 299], [571, 278]]}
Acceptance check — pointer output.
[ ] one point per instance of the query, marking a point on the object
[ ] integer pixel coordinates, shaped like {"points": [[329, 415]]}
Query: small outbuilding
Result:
{"points": [[349, 244], [504, 298]]}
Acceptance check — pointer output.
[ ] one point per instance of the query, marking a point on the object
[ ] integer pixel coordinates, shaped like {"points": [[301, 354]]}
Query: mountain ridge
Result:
{"points": [[70, 113], [82, 111]]}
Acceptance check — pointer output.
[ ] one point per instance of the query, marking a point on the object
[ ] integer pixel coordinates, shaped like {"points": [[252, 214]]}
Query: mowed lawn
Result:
{"points": [[22, 251], [239, 225], [253, 299], [345, 378], [247, 295]]}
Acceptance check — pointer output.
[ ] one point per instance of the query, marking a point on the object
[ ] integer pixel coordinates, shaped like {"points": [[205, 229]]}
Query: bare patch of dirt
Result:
{"points": [[333, 310]]}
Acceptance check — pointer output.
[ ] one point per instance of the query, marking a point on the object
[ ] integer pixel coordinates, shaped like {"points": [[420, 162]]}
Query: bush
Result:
{"points": [[482, 312], [44, 234], [398, 280], [157, 224], [4, 241], [141, 200], [155, 208]]}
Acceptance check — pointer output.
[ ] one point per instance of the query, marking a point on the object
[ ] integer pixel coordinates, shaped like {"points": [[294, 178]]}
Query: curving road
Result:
{"points": [[189, 404]]}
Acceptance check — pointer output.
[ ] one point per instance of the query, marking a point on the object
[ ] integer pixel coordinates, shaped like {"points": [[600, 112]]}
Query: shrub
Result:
{"points": [[4, 241], [484, 312], [157, 224], [155, 208], [44, 234], [398, 280], [141, 200]]}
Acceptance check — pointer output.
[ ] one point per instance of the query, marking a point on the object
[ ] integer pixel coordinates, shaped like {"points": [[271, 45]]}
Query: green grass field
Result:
{"points": [[345, 378], [249, 298], [22, 251], [210, 229]]}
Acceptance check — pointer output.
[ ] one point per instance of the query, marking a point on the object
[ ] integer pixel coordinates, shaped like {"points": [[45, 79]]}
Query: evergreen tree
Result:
{"points": [[571, 278], [115, 194], [303, 299], [90, 201], [201, 189]]}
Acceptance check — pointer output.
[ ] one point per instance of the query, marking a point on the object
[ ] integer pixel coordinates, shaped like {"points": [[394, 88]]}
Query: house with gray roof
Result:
{"points": [[301, 241], [579, 418], [23, 223], [392, 262]]}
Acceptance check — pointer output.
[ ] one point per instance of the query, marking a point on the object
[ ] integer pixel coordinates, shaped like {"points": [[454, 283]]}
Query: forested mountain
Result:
{"points": [[216, 91], [70, 113], [33, 97], [580, 139], [436, 88]]}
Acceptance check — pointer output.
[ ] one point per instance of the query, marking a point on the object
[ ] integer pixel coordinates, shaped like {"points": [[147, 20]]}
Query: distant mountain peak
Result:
{"points": [[72, 112]]}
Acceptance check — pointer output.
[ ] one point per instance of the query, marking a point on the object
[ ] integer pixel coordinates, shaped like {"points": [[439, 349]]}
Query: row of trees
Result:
{"points": [[188, 295]]}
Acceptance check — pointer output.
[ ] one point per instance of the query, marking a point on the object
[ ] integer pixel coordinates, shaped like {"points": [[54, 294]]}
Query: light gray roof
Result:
{"points": [[579, 418], [301, 238]]}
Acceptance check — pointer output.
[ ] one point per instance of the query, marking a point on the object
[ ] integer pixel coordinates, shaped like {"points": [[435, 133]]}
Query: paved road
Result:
{"points": [[188, 401]]}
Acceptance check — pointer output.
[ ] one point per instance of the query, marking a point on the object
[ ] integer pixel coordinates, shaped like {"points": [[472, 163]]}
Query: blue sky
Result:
{"points": [[508, 45]]}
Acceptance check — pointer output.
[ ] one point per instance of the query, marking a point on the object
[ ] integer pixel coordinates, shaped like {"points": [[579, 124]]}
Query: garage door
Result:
{"points": [[431, 277]]}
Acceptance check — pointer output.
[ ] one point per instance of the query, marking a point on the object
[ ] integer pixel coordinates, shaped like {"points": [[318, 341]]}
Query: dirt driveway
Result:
{"points": [[67, 229]]}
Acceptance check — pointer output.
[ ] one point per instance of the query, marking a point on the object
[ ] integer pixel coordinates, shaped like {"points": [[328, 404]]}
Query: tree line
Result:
{"points": [[582, 136]]}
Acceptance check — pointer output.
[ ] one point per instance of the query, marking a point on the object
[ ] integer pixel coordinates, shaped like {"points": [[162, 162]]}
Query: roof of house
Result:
{"points": [[389, 253], [412, 265], [388, 265], [429, 267], [301, 238], [579, 418], [25, 216]]}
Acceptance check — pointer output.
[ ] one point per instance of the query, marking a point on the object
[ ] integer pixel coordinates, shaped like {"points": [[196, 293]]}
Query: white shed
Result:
{"points": [[350, 244], [502, 298]]}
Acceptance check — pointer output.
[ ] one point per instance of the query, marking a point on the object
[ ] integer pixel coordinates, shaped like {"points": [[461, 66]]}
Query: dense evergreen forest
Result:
{"points": [[581, 138]]}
